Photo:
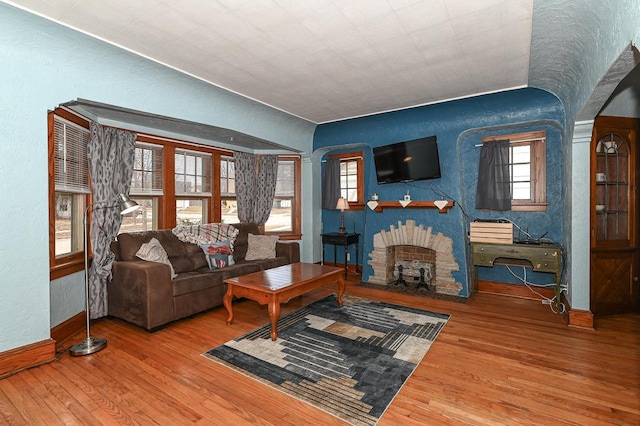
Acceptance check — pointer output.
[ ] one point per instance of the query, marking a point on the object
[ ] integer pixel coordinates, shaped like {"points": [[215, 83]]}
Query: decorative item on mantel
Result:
{"points": [[443, 206]]}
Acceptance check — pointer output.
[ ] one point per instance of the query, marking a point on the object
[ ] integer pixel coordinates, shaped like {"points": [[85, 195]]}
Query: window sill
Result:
{"points": [[532, 207], [67, 268]]}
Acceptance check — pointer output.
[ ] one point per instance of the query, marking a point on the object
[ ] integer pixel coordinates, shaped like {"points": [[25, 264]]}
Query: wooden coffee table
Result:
{"points": [[279, 285]]}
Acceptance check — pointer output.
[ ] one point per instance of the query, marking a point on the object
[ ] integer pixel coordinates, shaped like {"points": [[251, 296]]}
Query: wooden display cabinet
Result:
{"points": [[615, 256]]}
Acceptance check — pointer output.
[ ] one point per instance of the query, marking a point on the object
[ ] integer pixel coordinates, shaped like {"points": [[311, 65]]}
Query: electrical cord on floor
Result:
{"points": [[530, 285]]}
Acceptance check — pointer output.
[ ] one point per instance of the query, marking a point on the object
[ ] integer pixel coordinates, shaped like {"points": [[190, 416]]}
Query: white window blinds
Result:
{"points": [[71, 168]]}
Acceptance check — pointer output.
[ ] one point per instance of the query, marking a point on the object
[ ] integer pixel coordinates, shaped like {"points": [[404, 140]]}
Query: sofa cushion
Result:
{"points": [[190, 282], [241, 244], [261, 247], [218, 255], [196, 256], [153, 252], [130, 243]]}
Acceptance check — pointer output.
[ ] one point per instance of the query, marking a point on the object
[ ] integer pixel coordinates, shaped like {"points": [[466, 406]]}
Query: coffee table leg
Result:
{"points": [[274, 315], [341, 287], [227, 300]]}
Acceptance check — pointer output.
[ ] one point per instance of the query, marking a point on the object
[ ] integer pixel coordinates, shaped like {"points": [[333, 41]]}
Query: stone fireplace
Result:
{"points": [[415, 248]]}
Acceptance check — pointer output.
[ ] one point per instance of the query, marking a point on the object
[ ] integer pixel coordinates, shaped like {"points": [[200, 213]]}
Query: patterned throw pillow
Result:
{"points": [[261, 247], [218, 255], [154, 252]]}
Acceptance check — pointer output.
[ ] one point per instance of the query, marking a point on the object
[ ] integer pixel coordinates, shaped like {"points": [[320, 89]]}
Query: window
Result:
{"points": [[146, 188], [193, 186], [351, 178], [228, 205], [282, 215], [527, 170], [69, 191], [173, 181]]}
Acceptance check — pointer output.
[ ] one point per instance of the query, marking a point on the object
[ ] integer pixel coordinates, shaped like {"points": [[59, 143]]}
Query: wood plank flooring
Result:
{"points": [[499, 361]]}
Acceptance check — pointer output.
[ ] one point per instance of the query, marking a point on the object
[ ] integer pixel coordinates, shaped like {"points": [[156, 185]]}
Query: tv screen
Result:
{"points": [[407, 161]]}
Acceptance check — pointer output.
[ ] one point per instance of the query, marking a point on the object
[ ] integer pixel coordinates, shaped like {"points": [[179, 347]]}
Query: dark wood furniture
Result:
{"points": [[541, 258], [279, 285], [615, 234], [345, 240]]}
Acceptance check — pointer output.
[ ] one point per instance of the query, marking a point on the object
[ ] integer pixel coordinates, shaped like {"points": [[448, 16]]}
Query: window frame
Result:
{"points": [[223, 196], [296, 200], [358, 157], [60, 266], [536, 140], [166, 215]]}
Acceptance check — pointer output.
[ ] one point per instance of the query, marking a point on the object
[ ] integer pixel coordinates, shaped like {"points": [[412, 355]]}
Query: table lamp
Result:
{"points": [[342, 205]]}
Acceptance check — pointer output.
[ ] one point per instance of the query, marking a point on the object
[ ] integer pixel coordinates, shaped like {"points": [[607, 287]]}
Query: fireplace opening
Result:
{"points": [[413, 266]]}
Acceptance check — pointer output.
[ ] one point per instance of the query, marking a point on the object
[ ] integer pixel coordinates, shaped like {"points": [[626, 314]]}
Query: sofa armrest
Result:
{"points": [[141, 292], [290, 250]]}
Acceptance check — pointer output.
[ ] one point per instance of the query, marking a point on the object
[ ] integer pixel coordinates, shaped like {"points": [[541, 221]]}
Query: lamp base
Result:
{"points": [[342, 230], [88, 346]]}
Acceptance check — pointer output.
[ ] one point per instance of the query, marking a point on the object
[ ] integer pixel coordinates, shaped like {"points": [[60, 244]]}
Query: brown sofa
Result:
{"points": [[144, 294]]}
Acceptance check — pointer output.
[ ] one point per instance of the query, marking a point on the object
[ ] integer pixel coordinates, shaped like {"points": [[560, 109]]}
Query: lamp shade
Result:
{"points": [[127, 204], [342, 204]]}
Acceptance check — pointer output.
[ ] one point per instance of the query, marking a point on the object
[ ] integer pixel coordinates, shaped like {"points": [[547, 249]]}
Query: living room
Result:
{"points": [[46, 64]]}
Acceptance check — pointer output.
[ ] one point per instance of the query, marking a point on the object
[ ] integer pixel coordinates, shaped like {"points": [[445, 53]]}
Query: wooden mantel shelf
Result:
{"points": [[379, 206]]}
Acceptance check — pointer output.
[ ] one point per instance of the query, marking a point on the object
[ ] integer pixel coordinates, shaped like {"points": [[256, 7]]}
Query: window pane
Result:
{"points": [[521, 172], [349, 180], [179, 166], [190, 167], [143, 219], [190, 211], [521, 154], [286, 179], [71, 169], [196, 175], [280, 219], [229, 210], [352, 167], [68, 225], [147, 170], [521, 191]]}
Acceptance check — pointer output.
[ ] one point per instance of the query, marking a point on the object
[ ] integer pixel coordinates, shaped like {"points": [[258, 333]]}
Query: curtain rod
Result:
{"points": [[358, 157], [517, 140]]}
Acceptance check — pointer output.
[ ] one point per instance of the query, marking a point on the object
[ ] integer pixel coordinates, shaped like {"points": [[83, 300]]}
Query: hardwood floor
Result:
{"points": [[499, 360]]}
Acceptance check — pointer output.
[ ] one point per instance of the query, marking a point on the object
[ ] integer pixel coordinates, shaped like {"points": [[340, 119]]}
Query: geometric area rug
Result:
{"points": [[349, 361]]}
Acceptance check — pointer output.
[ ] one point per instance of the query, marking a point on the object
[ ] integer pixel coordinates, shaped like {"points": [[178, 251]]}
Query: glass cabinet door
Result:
{"points": [[612, 188]]}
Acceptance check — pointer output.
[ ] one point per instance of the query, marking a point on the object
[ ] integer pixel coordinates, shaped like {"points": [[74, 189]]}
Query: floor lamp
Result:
{"points": [[92, 344], [342, 205]]}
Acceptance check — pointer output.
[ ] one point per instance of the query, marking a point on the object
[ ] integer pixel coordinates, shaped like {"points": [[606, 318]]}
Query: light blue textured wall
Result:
{"points": [[458, 125], [43, 65], [573, 46]]}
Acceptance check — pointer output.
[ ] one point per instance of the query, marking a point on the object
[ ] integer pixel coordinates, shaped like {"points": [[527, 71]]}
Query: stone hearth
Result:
{"points": [[383, 257]]}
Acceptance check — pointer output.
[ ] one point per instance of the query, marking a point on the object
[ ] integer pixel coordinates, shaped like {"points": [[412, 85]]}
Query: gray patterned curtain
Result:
{"points": [[245, 184], [110, 152], [266, 187], [494, 186], [331, 183], [256, 178]]}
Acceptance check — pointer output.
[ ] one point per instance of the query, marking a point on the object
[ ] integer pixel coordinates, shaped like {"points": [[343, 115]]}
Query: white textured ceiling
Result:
{"points": [[322, 60]]}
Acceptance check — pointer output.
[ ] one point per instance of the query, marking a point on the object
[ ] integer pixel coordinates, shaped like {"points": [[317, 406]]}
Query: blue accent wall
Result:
{"points": [[459, 125]]}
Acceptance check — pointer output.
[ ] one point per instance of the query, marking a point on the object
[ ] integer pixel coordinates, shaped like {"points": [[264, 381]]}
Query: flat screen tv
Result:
{"points": [[407, 161]]}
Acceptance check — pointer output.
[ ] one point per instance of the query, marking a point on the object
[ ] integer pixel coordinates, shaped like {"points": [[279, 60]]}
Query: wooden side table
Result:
{"points": [[338, 239]]}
